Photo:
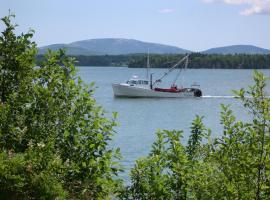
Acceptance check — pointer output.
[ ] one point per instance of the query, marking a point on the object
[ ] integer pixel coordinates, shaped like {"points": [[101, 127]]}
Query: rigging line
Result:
{"points": [[185, 68], [178, 74], [171, 69], [180, 71]]}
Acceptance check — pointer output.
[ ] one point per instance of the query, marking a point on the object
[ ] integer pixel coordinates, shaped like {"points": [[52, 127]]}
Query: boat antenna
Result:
{"points": [[148, 66], [171, 69]]}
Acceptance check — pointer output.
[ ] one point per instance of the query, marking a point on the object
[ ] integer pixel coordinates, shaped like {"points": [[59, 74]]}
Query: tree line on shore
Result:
{"points": [[197, 60], [54, 139]]}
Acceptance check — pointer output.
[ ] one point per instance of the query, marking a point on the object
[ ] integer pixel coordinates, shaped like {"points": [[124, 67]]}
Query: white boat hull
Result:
{"points": [[131, 91]]}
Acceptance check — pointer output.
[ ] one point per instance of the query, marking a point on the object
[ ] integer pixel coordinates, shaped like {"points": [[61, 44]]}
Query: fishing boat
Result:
{"points": [[137, 87]]}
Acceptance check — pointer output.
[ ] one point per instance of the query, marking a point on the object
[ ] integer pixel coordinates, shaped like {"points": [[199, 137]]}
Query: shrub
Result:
{"points": [[233, 166], [51, 126]]}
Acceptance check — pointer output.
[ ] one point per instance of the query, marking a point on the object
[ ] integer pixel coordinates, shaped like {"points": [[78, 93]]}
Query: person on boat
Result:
{"points": [[174, 86]]}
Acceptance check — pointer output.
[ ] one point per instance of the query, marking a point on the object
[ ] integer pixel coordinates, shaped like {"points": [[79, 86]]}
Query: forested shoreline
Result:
{"points": [[197, 60]]}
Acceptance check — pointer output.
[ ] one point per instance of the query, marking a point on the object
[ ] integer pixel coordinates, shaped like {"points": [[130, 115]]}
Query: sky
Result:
{"points": [[190, 24]]}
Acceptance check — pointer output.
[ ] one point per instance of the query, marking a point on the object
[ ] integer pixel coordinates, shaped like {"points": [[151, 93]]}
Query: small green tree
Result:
{"points": [[162, 174], [242, 153], [235, 165], [53, 136]]}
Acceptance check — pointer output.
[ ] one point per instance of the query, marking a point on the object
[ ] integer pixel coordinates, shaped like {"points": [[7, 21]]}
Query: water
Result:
{"points": [[140, 118]]}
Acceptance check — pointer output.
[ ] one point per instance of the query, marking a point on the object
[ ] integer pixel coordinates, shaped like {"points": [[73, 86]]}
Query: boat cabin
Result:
{"points": [[135, 81]]}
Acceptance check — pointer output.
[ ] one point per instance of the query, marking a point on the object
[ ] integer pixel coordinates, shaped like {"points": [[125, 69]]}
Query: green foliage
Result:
{"points": [[161, 175], [198, 132], [233, 166], [34, 174], [53, 136]]}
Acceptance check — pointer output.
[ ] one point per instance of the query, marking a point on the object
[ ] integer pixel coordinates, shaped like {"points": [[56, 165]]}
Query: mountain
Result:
{"points": [[117, 46], [71, 50], [113, 46], [237, 49]]}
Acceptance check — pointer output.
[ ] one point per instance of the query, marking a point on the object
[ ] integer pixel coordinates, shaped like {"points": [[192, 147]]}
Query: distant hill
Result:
{"points": [[71, 50], [113, 46], [120, 46], [237, 49]]}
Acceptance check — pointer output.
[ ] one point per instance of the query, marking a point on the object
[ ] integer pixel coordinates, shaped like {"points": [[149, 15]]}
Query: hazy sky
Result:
{"points": [[190, 24]]}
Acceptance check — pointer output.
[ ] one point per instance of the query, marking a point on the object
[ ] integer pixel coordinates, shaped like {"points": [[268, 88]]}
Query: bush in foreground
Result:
{"points": [[53, 136], [233, 166]]}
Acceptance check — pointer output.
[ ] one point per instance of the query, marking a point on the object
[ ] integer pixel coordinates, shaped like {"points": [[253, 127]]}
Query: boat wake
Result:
{"points": [[227, 97], [218, 97]]}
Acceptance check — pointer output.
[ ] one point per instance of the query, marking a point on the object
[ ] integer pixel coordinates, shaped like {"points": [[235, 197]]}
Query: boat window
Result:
{"points": [[133, 82], [145, 82]]}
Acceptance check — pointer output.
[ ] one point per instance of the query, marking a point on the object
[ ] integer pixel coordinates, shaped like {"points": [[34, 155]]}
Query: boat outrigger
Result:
{"points": [[136, 87]]}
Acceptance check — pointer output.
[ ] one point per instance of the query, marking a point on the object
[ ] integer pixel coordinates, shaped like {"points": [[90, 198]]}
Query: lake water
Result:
{"points": [[140, 118]]}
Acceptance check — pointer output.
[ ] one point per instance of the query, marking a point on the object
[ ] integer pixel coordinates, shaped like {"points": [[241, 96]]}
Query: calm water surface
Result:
{"points": [[140, 118]]}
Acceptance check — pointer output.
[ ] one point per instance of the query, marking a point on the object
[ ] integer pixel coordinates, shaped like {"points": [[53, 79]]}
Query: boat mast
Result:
{"points": [[148, 66], [151, 81]]}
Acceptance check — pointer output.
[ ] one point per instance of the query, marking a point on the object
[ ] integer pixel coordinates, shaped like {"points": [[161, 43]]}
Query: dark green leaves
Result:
{"points": [[234, 166], [51, 126]]}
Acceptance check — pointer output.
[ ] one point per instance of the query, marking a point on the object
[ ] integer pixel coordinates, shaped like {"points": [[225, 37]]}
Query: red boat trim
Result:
{"points": [[171, 90]]}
